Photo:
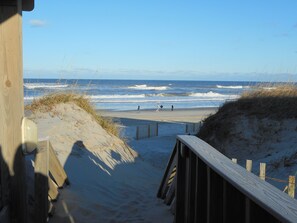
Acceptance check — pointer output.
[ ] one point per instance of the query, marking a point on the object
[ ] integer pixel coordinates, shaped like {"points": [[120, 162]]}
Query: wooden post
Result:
{"points": [[249, 164], [234, 160], [12, 110], [262, 174], [291, 187]]}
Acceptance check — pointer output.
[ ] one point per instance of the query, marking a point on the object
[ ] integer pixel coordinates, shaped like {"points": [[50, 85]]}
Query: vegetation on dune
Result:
{"points": [[277, 102], [48, 103]]}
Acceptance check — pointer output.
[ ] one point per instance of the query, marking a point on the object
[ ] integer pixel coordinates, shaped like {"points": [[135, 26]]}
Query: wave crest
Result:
{"points": [[232, 87], [145, 87], [115, 96], [40, 86]]}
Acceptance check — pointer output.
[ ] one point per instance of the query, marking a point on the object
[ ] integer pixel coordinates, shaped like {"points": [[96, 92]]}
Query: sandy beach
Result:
{"points": [[178, 115], [112, 180]]}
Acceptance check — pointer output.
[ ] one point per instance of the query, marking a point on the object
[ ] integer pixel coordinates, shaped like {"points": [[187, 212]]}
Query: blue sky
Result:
{"points": [[162, 39]]}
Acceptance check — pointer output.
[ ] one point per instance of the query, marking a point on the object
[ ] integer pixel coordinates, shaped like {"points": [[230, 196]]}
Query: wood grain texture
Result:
{"points": [[12, 111], [262, 173], [180, 192], [291, 186], [263, 194], [53, 192], [41, 183], [170, 165], [56, 168]]}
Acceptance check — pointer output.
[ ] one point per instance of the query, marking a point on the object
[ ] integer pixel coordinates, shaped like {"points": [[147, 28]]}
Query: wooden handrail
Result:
{"points": [[211, 188]]}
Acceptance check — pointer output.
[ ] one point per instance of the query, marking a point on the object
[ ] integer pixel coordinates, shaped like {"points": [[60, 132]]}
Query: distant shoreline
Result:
{"points": [[160, 110], [165, 115]]}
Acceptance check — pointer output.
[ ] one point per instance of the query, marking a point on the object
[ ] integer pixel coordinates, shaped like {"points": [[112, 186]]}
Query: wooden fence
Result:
{"points": [[192, 128], [147, 131], [289, 184], [209, 187]]}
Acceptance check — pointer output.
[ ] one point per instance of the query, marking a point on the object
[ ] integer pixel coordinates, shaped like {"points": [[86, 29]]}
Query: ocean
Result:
{"points": [[147, 94]]}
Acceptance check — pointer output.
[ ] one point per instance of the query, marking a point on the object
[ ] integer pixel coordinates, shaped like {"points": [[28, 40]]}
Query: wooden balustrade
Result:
{"points": [[209, 187]]}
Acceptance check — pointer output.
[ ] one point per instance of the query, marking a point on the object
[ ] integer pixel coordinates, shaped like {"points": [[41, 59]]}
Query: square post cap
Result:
{"points": [[27, 5]]}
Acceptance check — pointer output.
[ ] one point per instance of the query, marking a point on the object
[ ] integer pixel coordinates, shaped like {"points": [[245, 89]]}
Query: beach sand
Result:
{"points": [[113, 180], [178, 115], [110, 182]]}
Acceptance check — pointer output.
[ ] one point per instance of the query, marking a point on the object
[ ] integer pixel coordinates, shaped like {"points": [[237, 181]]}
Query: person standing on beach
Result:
{"points": [[171, 107], [138, 108]]}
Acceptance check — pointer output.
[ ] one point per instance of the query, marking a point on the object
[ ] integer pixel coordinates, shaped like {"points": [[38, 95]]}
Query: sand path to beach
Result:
{"points": [[107, 184]]}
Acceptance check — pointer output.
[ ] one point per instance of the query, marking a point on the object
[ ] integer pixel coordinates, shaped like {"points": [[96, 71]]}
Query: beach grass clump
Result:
{"points": [[277, 102], [48, 102]]}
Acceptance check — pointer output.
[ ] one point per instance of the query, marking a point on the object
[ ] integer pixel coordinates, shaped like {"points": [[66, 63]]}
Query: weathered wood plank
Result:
{"points": [[12, 111], [171, 193], [201, 194], [234, 204], [249, 165], [55, 167], [53, 190], [274, 201], [262, 173], [192, 173], [41, 183], [180, 197], [214, 197], [291, 186], [170, 165]]}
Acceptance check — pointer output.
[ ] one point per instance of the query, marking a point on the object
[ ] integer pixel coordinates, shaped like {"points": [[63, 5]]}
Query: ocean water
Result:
{"points": [[129, 94]]}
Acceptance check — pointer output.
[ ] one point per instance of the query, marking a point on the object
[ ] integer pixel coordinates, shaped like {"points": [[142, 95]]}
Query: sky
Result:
{"points": [[251, 40]]}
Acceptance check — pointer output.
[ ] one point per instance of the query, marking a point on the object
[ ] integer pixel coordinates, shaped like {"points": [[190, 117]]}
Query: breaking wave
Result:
{"points": [[145, 87], [44, 86]]}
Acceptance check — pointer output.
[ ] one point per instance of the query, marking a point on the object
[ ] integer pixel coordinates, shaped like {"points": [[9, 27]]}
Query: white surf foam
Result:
{"points": [[115, 96], [211, 94], [232, 87], [41, 85], [145, 87]]}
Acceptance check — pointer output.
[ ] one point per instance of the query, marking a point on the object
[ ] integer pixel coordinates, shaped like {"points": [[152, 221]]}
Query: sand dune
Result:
{"points": [[109, 182]]}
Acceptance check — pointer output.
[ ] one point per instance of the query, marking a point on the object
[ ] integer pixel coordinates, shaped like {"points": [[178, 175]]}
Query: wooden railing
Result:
{"points": [[49, 176], [209, 187]]}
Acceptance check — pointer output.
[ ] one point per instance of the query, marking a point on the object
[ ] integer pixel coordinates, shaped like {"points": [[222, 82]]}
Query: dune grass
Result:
{"points": [[48, 102], [276, 102]]}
